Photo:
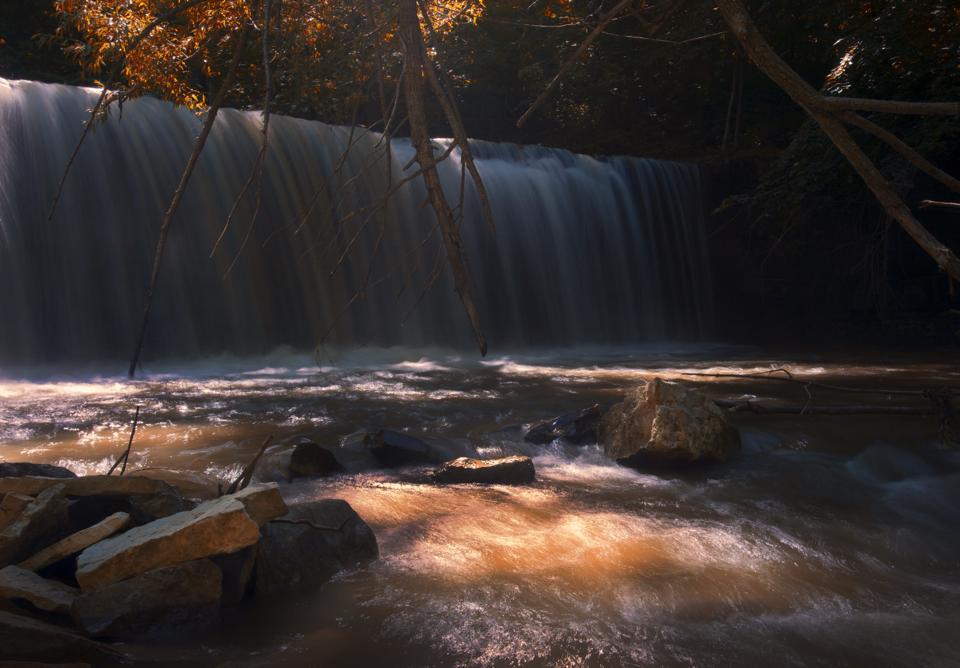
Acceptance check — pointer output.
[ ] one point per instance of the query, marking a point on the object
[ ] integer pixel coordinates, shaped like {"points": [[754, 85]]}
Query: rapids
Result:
{"points": [[826, 541]]}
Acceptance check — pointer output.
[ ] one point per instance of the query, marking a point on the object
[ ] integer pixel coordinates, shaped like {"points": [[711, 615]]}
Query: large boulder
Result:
{"points": [[310, 544], [166, 602], [29, 639], [664, 424], [20, 469], [515, 470], [42, 522], [19, 584], [575, 428]]}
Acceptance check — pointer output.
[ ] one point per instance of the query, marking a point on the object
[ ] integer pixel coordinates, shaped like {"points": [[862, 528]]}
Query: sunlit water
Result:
{"points": [[827, 541]]}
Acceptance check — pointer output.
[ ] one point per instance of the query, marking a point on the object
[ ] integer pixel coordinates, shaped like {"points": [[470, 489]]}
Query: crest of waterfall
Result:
{"points": [[587, 250]]}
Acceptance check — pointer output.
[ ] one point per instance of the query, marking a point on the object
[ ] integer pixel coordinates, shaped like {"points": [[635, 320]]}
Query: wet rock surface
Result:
{"points": [[21, 469], [575, 428], [515, 470], [665, 424]]}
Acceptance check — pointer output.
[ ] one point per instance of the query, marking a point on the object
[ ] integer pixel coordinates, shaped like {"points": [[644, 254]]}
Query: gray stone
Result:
{"points": [[19, 584], [515, 470], [174, 601], [575, 428], [11, 505], [309, 545], [41, 523], [309, 460], [215, 527], [237, 570], [76, 542], [665, 424], [29, 639]]}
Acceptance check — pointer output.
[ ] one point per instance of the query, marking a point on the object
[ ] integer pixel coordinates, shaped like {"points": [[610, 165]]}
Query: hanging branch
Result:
{"points": [[181, 188], [105, 99]]}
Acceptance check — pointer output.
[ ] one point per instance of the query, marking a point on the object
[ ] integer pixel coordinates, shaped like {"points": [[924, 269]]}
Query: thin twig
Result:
{"points": [[126, 454]]}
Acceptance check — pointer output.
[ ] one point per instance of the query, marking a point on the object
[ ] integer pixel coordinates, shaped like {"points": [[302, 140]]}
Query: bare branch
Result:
{"points": [[836, 104], [928, 203]]}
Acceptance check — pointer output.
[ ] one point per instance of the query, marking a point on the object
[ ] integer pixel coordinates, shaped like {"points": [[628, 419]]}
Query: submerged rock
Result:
{"points": [[21, 469], [171, 601], [662, 423], [515, 470], [310, 544], [575, 428], [20, 584], [42, 522], [386, 448]]}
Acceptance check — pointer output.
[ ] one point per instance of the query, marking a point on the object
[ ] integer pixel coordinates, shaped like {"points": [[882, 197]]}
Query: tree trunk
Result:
{"points": [[413, 89]]}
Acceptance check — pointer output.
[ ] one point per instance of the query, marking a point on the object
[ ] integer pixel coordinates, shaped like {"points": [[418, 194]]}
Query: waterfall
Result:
{"points": [[587, 249]]}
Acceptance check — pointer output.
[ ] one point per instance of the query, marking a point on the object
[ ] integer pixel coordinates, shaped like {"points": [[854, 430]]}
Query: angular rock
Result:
{"points": [[20, 584], [515, 470], [575, 428], [309, 460], [91, 485], [20, 469], [262, 502], [11, 505], [215, 527], [664, 424], [310, 544], [41, 523], [76, 542], [167, 602], [29, 639]]}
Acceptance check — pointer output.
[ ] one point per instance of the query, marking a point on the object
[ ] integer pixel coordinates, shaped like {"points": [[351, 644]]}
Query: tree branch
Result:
{"points": [[836, 104]]}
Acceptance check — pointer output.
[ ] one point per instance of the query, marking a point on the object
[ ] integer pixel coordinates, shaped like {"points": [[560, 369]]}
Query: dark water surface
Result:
{"points": [[827, 541]]}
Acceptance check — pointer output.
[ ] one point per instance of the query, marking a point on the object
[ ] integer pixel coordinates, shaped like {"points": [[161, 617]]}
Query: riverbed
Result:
{"points": [[828, 540]]}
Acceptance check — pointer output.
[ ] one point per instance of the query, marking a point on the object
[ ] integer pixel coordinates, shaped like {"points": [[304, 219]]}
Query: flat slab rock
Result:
{"points": [[20, 584], [91, 485], [77, 542], [20, 469], [167, 602], [222, 526], [11, 505], [515, 470]]}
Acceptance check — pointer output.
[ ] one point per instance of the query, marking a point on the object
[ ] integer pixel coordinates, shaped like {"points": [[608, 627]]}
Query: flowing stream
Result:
{"points": [[827, 541]]}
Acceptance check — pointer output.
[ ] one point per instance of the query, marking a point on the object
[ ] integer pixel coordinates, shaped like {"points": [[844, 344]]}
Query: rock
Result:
{"points": [[214, 527], [20, 584], [576, 428], [262, 502], [20, 469], [309, 460], [237, 572], [387, 448], [77, 542], [91, 485], [506, 470], [190, 484], [167, 602], [311, 543], [662, 423], [40, 523], [25, 638], [11, 505]]}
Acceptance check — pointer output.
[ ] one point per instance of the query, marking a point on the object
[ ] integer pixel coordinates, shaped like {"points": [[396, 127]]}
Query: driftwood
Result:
{"points": [[953, 206], [126, 454], [247, 474]]}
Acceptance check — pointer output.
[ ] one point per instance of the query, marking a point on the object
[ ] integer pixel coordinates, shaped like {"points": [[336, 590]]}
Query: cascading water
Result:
{"points": [[587, 250]]}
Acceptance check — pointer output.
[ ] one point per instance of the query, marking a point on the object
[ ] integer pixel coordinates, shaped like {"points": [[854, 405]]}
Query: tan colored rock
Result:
{"points": [[29, 639], [20, 584], [91, 485], [11, 505], [515, 470], [215, 527], [263, 502], [167, 602], [40, 523], [77, 542], [190, 484], [662, 423]]}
